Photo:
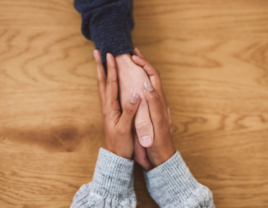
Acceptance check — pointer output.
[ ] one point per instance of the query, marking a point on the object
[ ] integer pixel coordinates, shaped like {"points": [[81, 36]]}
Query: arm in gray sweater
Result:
{"points": [[170, 185]]}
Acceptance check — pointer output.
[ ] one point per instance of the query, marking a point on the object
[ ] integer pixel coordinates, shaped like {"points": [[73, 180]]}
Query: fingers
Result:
{"points": [[140, 155], [129, 111], [153, 74], [111, 82], [145, 65], [143, 125], [101, 76], [138, 53], [158, 111]]}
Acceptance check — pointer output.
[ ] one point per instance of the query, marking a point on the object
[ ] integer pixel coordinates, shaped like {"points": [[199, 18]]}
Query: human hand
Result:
{"points": [[117, 125], [131, 78], [162, 148]]}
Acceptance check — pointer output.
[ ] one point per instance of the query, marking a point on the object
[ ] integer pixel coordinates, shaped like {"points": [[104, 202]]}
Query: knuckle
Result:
{"points": [[123, 131], [107, 112], [141, 125], [128, 109], [114, 105], [111, 81], [155, 97]]}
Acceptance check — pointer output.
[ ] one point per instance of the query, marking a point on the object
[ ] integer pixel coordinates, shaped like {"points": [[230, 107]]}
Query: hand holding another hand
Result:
{"points": [[162, 148], [117, 125], [131, 78]]}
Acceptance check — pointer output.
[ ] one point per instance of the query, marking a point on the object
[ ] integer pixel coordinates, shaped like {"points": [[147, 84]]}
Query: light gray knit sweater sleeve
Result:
{"points": [[172, 185], [112, 184]]}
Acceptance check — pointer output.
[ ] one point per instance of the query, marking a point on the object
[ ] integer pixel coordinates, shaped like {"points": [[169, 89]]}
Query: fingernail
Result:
{"points": [[134, 98], [95, 53], [168, 111], [148, 86], [137, 50], [146, 141]]}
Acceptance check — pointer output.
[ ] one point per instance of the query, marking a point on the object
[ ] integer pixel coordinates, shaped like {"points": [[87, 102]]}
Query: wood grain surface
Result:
{"points": [[213, 59]]}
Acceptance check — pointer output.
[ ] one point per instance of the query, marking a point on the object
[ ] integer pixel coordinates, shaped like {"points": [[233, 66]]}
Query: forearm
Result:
{"points": [[112, 184], [172, 185], [108, 23]]}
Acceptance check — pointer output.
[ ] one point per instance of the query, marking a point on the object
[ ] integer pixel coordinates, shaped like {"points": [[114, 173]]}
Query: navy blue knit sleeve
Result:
{"points": [[108, 23]]}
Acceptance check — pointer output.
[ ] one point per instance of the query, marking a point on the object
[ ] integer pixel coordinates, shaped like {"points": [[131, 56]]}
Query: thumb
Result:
{"points": [[156, 108], [140, 155], [129, 111]]}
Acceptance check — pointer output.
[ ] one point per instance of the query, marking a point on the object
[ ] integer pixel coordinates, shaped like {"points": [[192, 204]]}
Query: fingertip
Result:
{"points": [[108, 57], [110, 60], [138, 53], [148, 86], [97, 56], [134, 98], [146, 141], [99, 66], [136, 50], [134, 58], [95, 53]]}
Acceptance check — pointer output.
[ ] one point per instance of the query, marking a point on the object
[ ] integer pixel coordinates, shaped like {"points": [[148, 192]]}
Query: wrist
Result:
{"points": [[123, 62], [123, 57], [159, 157], [124, 152]]}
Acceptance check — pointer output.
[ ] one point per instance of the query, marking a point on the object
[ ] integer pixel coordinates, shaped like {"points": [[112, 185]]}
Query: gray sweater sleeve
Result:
{"points": [[112, 184], [172, 185]]}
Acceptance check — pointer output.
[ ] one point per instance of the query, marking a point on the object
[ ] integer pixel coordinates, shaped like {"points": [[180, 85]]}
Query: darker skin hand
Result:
{"points": [[118, 133], [162, 148], [117, 125]]}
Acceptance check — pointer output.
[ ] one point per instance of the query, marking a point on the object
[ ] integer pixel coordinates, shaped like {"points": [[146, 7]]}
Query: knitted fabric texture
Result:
{"points": [[171, 185], [108, 23], [112, 184]]}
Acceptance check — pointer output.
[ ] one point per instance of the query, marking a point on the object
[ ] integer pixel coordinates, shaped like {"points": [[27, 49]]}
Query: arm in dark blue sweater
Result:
{"points": [[108, 23]]}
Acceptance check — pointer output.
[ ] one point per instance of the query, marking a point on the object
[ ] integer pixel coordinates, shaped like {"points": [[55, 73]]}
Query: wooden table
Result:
{"points": [[213, 59]]}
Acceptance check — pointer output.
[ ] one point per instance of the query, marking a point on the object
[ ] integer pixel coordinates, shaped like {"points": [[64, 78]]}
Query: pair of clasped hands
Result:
{"points": [[121, 138]]}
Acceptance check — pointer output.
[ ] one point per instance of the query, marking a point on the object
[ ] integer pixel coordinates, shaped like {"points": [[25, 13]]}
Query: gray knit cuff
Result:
{"points": [[172, 183], [113, 176]]}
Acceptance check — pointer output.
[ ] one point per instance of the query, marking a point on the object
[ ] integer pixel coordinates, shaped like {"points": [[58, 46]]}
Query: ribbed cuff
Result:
{"points": [[112, 39], [111, 29], [171, 182], [113, 176]]}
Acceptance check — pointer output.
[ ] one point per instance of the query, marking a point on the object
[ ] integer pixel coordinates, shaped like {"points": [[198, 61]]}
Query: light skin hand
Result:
{"points": [[117, 125], [131, 78], [162, 149]]}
